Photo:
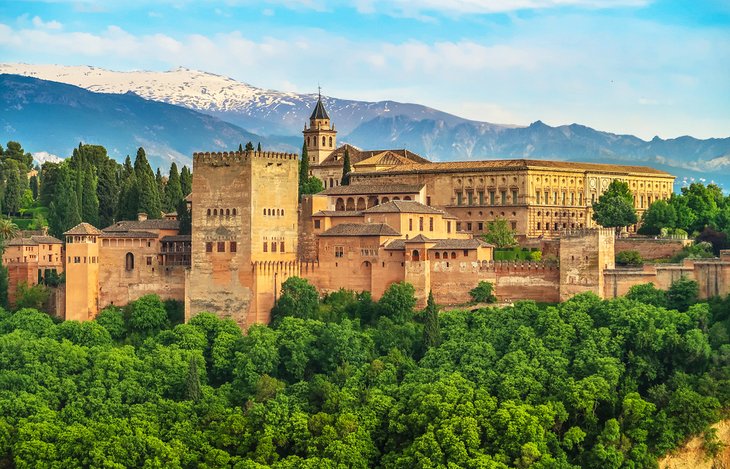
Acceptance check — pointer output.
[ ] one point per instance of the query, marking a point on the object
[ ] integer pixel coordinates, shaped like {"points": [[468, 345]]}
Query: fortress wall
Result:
{"points": [[651, 249]]}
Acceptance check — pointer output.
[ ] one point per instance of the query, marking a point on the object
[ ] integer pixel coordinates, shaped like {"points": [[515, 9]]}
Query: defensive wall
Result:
{"points": [[651, 249]]}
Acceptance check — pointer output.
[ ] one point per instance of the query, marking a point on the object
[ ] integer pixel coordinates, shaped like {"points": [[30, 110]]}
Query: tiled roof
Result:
{"points": [[486, 165], [22, 242], [403, 206], [149, 224], [361, 229], [178, 238], [128, 234], [357, 155], [335, 213], [83, 229], [47, 240], [396, 245], [473, 243], [419, 239], [319, 111], [368, 189]]}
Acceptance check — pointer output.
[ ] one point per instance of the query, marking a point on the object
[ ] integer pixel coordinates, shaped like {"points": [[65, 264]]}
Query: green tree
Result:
{"points": [[249, 146], [682, 294], [63, 213], [90, 199], [112, 319], [186, 181], [629, 258], [431, 329], [615, 207], [346, 169], [149, 196], [184, 218], [702, 201], [48, 178], [34, 186], [660, 215], [397, 302], [173, 190], [648, 294], [483, 293], [303, 169], [8, 230], [3, 286], [128, 201], [298, 299], [500, 234], [13, 190], [14, 151], [192, 381], [31, 296], [258, 147], [147, 315]]}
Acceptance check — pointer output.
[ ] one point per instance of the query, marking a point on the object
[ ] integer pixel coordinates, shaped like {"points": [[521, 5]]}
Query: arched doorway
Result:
{"points": [[361, 203], [350, 204], [340, 205]]}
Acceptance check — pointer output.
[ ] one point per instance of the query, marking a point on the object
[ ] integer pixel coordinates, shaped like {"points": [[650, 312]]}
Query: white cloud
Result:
{"points": [[52, 25]]}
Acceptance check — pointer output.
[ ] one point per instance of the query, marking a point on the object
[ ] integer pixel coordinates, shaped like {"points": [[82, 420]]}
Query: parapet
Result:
{"points": [[585, 232], [227, 158]]}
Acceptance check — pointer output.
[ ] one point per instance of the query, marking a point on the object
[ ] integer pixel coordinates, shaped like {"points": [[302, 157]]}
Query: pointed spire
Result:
{"points": [[319, 110]]}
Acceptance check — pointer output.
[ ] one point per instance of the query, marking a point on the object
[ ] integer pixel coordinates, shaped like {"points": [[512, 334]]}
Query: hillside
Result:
{"points": [[692, 454], [54, 117]]}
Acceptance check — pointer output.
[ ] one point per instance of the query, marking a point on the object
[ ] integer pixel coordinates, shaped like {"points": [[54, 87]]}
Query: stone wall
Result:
{"points": [[650, 248], [584, 255]]}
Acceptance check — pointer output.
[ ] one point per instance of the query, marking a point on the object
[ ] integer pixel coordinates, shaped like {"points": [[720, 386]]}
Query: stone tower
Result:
{"points": [[82, 272], [321, 136], [584, 255], [244, 233]]}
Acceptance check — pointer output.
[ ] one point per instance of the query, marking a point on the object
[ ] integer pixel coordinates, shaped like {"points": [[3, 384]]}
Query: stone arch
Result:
{"points": [[396, 198], [361, 205], [385, 200], [129, 261], [408, 197], [350, 204], [340, 204], [453, 254], [372, 201]]}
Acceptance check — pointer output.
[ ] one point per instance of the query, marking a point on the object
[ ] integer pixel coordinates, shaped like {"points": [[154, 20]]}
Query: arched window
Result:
{"points": [[208, 212], [282, 212], [385, 200], [264, 212], [330, 141], [453, 255], [234, 212], [323, 140], [228, 212], [416, 255], [340, 205], [438, 255], [446, 255], [215, 212], [129, 261]]}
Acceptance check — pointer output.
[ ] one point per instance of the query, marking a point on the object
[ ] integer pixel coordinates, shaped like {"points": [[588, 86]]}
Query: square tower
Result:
{"points": [[321, 137], [82, 272], [244, 215]]}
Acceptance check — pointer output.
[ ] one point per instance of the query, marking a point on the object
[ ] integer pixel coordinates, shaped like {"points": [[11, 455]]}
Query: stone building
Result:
{"points": [[31, 258]]}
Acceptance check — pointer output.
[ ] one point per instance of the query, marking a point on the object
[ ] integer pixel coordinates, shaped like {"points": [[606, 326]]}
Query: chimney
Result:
{"points": [[141, 216]]}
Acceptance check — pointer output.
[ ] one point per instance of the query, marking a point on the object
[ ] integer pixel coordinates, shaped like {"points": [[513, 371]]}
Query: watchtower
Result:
{"points": [[82, 272], [321, 137]]}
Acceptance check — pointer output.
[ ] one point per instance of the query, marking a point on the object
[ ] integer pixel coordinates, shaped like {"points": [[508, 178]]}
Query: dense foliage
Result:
{"points": [[615, 207], [357, 383]]}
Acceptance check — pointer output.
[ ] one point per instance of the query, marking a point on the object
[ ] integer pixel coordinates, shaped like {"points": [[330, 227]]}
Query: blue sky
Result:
{"points": [[626, 66]]}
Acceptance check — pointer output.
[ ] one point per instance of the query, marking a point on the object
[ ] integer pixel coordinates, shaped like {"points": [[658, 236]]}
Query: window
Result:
{"points": [[458, 198], [208, 212], [128, 261], [448, 227], [458, 226], [481, 198], [339, 251], [503, 194], [316, 224], [234, 212], [572, 198], [273, 246], [555, 198], [208, 247], [221, 246], [538, 225], [580, 199], [264, 212], [468, 226], [215, 212], [453, 255], [228, 212], [563, 199], [420, 223], [491, 197], [547, 199], [514, 196], [330, 141], [430, 224], [234, 246], [537, 197], [323, 140], [266, 246], [410, 224], [466, 253], [470, 198], [281, 246], [514, 225]]}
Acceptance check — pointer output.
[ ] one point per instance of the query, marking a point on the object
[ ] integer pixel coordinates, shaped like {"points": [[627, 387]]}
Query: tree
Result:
{"points": [[312, 186], [112, 319], [702, 201], [483, 293], [160, 181], [303, 169], [661, 214], [149, 196], [184, 218], [192, 381], [13, 191], [258, 147], [431, 329], [615, 207], [173, 190], [128, 201], [63, 213], [648, 294], [682, 294], [240, 148], [249, 146], [147, 314], [346, 169], [90, 199], [3, 286], [186, 181], [14, 151], [27, 296], [34, 186], [629, 258], [500, 234], [8, 230], [397, 302], [298, 299]]}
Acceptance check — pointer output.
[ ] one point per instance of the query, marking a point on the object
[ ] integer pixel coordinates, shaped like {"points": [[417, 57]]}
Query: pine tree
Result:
{"points": [[184, 218], [149, 196], [431, 328], [346, 169], [173, 190], [258, 147], [192, 381], [90, 207], [63, 211], [186, 181]]}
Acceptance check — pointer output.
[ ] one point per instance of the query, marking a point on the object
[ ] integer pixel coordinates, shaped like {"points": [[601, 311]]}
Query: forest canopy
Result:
{"points": [[350, 382]]}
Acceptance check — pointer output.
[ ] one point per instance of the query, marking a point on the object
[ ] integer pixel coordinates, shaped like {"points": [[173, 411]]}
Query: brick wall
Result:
{"points": [[650, 248]]}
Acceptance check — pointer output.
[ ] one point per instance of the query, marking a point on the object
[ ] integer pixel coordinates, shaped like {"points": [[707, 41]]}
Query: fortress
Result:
{"points": [[402, 218]]}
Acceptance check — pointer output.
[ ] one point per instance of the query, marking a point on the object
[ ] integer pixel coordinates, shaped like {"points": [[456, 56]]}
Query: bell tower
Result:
{"points": [[321, 137]]}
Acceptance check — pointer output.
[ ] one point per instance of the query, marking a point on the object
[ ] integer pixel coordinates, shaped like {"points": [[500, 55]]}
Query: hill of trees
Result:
{"points": [[349, 382]]}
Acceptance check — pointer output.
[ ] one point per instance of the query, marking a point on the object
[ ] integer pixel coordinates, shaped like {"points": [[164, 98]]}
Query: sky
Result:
{"points": [[642, 67]]}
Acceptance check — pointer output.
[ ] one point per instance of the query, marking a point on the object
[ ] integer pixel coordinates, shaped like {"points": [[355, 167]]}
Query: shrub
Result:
{"points": [[483, 293], [629, 258]]}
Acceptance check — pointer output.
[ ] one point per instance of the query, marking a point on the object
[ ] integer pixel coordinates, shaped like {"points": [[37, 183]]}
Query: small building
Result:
{"points": [[33, 259]]}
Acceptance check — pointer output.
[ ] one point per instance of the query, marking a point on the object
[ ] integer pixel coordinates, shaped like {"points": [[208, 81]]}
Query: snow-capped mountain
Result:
{"points": [[258, 110]]}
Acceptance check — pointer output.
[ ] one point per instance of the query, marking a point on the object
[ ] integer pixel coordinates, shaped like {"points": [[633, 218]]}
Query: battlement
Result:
{"points": [[493, 266], [231, 157], [584, 232]]}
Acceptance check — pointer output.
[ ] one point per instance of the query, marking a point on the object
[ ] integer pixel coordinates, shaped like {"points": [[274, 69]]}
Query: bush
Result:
{"points": [[483, 293], [629, 258], [682, 294]]}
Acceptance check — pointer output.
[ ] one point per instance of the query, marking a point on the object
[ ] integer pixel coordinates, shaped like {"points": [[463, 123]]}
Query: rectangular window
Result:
{"points": [[234, 246], [563, 199], [149, 260], [420, 223], [491, 197], [458, 198], [555, 198], [572, 198], [480, 226], [273, 246], [470, 198], [208, 247], [221, 246], [281, 246], [580, 199], [514, 197], [410, 224], [339, 251], [504, 197], [430, 224], [448, 227], [466, 253], [468, 226], [514, 225], [316, 224], [537, 197], [458, 226], [538, 225], [547, 199], [266, 246], [593, 198], [481, 198]]}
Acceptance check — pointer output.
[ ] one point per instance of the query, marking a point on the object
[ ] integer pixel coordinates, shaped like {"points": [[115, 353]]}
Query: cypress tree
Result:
{"points": [[13, 190], [160, 181], [149, 196], [173, 189], [184, 218], [431, 328], [63, 211], [128, 203], [249, 146], [90, 207], [303, 169], [186, 181], [107, 191], [240, 148], [346, 169], [258, 148], [34, 186], [192, 381]]}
